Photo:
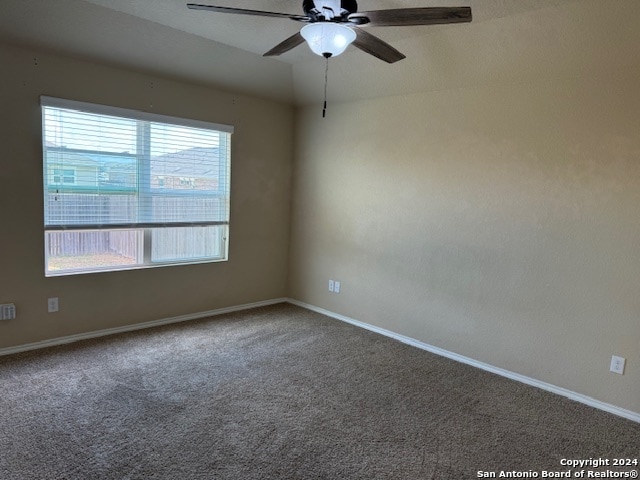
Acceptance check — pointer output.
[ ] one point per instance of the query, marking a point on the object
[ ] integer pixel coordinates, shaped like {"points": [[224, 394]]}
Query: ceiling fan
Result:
{"points": [[332, 25]]}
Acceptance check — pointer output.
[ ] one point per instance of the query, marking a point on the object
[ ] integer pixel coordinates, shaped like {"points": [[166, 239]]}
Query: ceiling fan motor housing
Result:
{"points": [[329, 10]]}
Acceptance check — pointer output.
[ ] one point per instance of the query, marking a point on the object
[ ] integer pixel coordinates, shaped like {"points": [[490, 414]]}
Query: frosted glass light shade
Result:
{"points": [[327, 39]]}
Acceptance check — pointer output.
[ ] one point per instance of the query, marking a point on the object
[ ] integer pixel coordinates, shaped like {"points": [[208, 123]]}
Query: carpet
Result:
{"points": [[280, 392]]}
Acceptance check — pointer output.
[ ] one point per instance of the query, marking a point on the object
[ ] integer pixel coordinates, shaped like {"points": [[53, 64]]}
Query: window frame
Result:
{"points": [[143, 228]]}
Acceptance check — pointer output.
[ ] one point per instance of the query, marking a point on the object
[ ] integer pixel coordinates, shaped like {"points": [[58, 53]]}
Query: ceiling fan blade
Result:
{"points": [[291, 42], [376, 47], [399, 17], [244, 11]]}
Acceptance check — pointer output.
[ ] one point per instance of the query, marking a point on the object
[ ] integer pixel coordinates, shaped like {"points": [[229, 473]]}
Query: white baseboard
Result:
{"points": [[578, 397], [137, 326]]}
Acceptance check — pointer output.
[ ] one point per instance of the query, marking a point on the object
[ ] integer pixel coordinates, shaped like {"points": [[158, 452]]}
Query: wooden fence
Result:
{"points": [[167, 243], [119, 242]]}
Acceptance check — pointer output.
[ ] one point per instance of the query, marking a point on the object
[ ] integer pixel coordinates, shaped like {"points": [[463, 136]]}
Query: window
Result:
{"points": [[68, 175], [127, 189]]}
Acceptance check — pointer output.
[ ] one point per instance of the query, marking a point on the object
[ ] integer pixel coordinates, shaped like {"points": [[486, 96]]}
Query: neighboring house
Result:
{"points": [[79, 172], [186, 169], [71, 171]]}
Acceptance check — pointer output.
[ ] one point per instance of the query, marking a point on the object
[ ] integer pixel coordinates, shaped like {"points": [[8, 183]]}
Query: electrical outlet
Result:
{"points": [[7, 311], [617, 364], [331, 286], [336, 286], [52, 304]]}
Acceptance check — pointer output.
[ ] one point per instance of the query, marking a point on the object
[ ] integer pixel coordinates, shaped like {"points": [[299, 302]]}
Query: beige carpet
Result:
{"points": [[281, 392]]}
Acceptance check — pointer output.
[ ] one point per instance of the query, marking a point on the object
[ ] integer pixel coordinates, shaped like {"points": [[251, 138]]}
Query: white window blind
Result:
{"points": [[127, 189]]}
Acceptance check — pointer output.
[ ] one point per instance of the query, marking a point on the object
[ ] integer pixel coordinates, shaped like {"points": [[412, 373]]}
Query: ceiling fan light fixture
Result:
{"points": [[328, 39]]}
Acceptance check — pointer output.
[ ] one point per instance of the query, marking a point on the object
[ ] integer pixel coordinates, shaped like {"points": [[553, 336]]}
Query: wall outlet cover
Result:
{"points": [[617, 364], [7, 311], [52, 304]]}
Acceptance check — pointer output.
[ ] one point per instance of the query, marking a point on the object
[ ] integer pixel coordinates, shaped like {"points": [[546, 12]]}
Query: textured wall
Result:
{"points": [[498, 222], [261, 163]]}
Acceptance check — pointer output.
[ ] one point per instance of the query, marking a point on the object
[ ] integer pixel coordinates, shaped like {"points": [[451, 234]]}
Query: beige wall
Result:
{"points": [[498, 222], [261, 164]]}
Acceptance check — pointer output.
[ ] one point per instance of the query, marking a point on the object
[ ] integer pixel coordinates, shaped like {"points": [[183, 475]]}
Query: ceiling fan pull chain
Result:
{"points": [[326, 77]]}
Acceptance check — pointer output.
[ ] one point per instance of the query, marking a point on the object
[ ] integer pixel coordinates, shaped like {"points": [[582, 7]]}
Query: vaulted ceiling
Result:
{"points": [[508, 40]]}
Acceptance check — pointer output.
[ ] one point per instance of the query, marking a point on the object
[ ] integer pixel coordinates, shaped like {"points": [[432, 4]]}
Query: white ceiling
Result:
{"points": [[506, 38]]}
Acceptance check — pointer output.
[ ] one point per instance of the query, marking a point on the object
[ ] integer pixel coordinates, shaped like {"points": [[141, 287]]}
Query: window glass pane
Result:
{"points": [[187, 174], [188, 243], [93, 250]]}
